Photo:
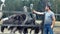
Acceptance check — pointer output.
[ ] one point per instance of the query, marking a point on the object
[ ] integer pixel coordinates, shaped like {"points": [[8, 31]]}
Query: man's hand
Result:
{"points": [[34, 11], [52, 26]]}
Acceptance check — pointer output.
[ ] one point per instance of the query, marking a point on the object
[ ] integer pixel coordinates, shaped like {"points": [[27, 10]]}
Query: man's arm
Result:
{"points": [[40, 13], [53, 22]]}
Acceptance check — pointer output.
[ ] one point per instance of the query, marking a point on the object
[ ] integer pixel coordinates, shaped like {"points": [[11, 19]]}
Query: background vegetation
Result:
{"points": [[17, 5]]}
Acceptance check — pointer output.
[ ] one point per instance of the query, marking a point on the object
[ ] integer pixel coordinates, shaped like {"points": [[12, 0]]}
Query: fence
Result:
{"points": [[56, 28]]}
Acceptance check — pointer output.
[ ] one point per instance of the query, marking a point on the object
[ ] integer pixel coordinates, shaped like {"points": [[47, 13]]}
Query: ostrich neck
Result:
{"points": [[1, 7]]}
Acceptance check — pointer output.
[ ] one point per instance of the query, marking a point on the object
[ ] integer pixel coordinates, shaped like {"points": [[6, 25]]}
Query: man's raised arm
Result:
{"points": [[40, 13]]}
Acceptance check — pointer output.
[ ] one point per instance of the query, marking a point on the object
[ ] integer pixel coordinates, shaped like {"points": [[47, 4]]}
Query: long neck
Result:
{"points": [[2, 6]]}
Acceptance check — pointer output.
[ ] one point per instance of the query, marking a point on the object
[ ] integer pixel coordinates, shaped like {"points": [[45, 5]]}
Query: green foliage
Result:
{"points": [[17, 5]]}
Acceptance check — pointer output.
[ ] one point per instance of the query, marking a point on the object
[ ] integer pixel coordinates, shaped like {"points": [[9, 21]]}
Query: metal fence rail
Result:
{"points": [[56, 29]]}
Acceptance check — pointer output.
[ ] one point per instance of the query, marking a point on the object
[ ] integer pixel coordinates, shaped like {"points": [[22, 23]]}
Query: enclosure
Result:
{"points": [[11, 7]]}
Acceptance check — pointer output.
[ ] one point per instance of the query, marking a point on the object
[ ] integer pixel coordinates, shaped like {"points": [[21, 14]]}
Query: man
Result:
{"points": [[49, 21]]}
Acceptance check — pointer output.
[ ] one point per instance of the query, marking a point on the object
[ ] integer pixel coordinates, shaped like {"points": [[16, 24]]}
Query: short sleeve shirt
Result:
{"points": [[48, 17]]}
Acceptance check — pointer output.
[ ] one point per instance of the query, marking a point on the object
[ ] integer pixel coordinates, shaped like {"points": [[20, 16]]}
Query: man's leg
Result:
{"points": [[45, 31], [50, 30]]}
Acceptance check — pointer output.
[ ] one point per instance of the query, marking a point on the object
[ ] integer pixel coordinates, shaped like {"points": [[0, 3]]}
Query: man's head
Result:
{"points": [[47, 7]]}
